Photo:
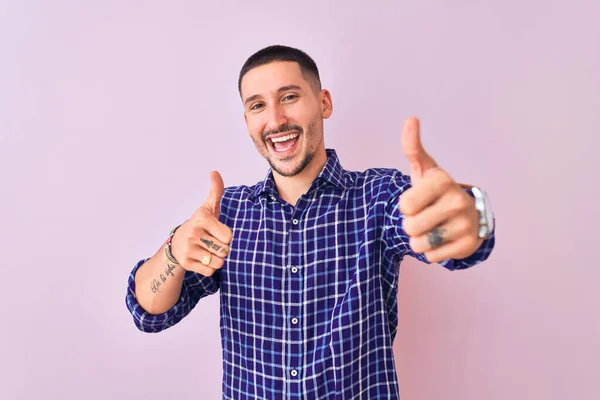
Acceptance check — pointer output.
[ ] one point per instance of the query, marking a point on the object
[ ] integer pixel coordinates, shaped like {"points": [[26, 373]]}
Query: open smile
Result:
{"points": [[283, 145]]}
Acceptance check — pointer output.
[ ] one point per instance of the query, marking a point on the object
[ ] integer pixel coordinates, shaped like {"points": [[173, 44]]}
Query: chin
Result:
{"points": [[296, 164], [287, 171]]}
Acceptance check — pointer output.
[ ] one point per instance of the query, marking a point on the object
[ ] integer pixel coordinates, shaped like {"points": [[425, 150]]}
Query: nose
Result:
{"points": [[276, 118]]}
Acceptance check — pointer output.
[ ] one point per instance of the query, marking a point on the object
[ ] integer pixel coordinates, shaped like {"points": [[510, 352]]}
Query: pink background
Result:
{"points": [[112, 114]]}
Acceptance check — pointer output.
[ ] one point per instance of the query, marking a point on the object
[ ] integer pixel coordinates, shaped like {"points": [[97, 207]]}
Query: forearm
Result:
{"points": [[158, 284]]}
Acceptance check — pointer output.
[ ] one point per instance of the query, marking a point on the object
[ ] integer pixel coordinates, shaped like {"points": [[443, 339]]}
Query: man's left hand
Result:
{"points": [[440, 217]]}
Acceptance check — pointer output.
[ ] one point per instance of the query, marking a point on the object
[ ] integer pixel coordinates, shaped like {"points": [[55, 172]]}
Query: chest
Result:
{"points": [[323, 239]]}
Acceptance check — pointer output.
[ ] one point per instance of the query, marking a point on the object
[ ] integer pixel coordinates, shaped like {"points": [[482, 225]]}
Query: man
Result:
{"points": [[307, 260]]}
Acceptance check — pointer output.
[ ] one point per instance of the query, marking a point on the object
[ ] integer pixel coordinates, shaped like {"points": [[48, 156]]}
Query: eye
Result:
{"points": [[290, 97], [256, 106]]}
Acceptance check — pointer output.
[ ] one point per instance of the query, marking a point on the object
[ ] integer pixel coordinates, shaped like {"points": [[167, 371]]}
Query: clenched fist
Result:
{"points": [[202, 242], [440, 217]]}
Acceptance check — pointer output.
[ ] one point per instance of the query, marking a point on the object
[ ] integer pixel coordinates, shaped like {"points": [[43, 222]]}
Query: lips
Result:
{"points": [[282, 147], [283, 144]]}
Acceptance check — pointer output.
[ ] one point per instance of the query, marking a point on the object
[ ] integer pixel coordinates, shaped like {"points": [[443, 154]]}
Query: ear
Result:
{"points": [[326, 103], [246, 121]]}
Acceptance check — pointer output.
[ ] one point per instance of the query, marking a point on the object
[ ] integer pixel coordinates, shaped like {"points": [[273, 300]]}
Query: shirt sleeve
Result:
{"points": [[195, 286], [397, 241]]}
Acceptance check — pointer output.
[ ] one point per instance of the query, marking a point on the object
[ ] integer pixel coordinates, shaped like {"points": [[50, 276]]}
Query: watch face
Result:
{"points": [[489, 215]]}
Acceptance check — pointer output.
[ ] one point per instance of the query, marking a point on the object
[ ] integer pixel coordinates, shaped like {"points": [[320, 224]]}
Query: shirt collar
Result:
{"points": [[332, 173]]}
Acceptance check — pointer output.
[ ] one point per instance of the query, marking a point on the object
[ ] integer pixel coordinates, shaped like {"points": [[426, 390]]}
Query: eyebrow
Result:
{"points": [[281, 89]]}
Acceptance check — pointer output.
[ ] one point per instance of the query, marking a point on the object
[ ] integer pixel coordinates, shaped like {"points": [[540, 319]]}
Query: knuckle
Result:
{"points": [[461, 199], [195, 233], [185, 259], [186, 244], [444, 180], [448, 183], [441, 175], [229, 235], [465, 243], [457, 202], [415, 245], [223, 251], [406, 204], [188, 247], [202, 215], [471, 241], [463, 225], [408, 226], [429, 256], [434, 256]]}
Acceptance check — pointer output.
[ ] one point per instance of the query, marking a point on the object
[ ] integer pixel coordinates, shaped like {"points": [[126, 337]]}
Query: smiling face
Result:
{"points": [[284, 112]]}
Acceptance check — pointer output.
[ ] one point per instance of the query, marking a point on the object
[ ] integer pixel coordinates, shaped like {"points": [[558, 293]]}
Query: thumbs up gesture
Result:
{"points": [[439, 216], [202, 242]]}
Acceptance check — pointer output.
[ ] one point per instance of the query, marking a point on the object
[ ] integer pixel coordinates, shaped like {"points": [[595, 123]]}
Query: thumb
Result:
{"points": [[413, 149], [213, 201]]}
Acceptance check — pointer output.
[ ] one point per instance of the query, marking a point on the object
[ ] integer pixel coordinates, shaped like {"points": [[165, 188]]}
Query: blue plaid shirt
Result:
{"points": [[308, 293]]}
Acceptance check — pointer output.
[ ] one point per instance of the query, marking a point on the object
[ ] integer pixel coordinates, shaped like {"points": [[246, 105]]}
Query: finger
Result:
{"points": [[453, 203], [212, 244], [217, 188], [450, 231], [430, 189], [457, 249], [197, 266], [414, 151], [213, 227], [205, 257]]}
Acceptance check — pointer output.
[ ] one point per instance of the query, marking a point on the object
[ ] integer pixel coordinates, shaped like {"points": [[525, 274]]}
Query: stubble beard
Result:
{"points": [[306, 158]]}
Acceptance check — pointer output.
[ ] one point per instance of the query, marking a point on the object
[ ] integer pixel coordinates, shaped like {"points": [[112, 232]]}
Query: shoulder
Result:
{"points": [[235, 200], [238, 194], [236, 191], [241, 196], [390, 180]]}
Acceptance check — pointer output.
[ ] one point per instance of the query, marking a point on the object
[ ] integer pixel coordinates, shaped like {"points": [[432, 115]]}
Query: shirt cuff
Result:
{"points": [[143, 320], [479, 256]]}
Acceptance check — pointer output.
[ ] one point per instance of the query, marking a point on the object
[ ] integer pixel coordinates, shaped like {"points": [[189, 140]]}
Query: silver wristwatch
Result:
{"points": [[486, 216]]}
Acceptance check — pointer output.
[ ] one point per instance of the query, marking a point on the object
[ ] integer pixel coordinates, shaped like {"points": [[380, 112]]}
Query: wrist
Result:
{"points": [[484, 210], [168, 248]]}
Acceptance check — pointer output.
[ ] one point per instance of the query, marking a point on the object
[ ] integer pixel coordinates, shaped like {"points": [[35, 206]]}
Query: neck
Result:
{"points": [[291, 188]]}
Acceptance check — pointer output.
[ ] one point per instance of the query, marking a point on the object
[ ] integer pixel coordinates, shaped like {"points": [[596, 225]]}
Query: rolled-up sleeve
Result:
{"points": [[194, 288]]}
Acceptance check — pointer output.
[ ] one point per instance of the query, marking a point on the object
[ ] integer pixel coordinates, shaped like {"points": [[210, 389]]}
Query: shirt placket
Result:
{"points": [[295, 298]]}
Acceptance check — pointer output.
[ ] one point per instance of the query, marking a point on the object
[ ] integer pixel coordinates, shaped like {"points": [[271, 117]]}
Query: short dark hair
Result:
{"points": [[282, 53]]}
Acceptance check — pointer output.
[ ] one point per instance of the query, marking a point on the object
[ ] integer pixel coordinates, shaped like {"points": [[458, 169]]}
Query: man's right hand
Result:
{"points": [[202, 242]]}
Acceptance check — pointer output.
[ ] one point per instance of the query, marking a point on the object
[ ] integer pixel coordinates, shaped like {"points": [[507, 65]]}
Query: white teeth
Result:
{"points": [[284, 138]]}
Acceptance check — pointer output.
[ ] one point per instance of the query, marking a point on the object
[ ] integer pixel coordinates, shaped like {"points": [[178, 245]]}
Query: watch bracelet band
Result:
{"points": [[478, 195]]}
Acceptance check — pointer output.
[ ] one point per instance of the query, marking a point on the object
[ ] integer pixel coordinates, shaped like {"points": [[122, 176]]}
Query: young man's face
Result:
{"points": [[284, 115]]}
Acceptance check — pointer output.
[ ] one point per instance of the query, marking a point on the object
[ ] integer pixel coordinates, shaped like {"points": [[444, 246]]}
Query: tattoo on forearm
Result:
{"points": [[435, 237], [155, 286], [169, 270], [212, 245], [156, 283]]}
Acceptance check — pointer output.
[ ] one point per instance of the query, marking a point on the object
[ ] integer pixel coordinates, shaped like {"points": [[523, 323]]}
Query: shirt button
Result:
{"points": [[295, 221], [294, 321], [294, 270], [294, 372]]}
